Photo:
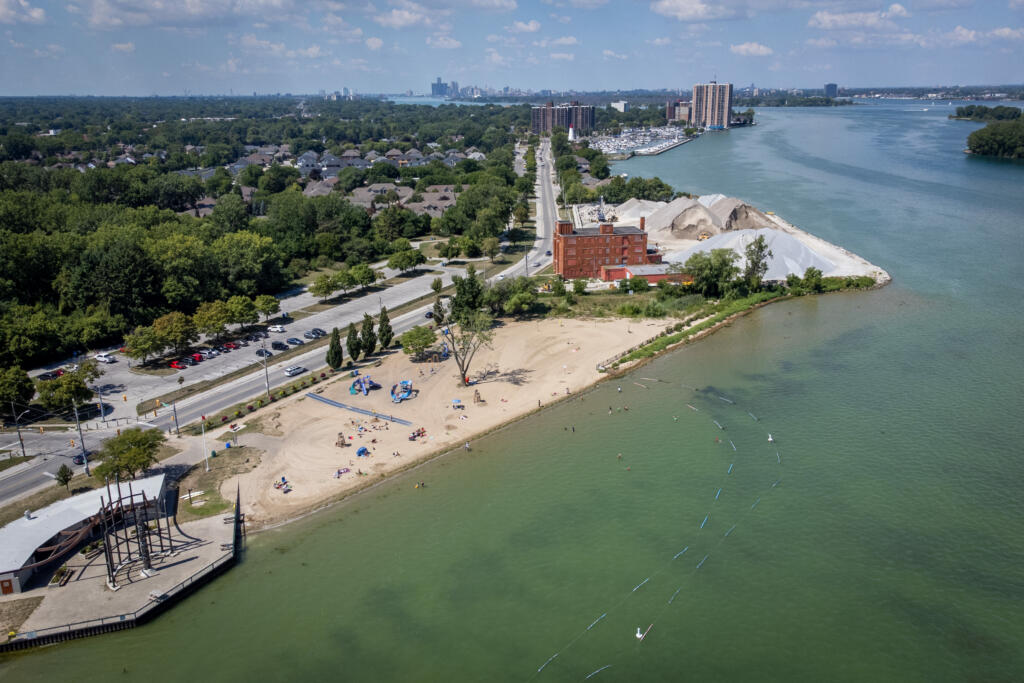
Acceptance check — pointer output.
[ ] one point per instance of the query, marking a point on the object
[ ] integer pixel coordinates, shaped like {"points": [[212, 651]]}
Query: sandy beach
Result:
{"points": [[530, 365]]}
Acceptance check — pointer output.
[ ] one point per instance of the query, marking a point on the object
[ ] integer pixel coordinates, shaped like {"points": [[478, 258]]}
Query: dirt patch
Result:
{"points": [[14, 613]]}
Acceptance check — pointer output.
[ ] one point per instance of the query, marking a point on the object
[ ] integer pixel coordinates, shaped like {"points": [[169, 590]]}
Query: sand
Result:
{"points": [[530, 365]]}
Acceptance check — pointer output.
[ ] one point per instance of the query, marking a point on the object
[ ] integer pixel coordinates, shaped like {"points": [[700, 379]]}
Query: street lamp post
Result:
{"points": [[81, 439], [206, 453], [266, 372], [103, 412]]}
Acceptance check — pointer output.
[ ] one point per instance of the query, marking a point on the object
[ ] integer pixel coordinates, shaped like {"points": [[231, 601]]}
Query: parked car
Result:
{"points": [[279, 346], [178, 365], [187, 360], [222, 349], [198, 357], [276, 328], [78, 459], [309, 335], [104, 357], [207, 353], [46, 376], [230, 346], [428, 314], [263, 353], [294, 370], [318, 332], [294, 341]]}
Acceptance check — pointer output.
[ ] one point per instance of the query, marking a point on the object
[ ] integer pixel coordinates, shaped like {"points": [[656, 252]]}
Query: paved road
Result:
{"points": [[547, 213]]}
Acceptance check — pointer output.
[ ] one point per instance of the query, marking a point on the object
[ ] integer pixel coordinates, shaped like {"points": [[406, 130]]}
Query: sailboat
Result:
{"points": [[770, 439]]}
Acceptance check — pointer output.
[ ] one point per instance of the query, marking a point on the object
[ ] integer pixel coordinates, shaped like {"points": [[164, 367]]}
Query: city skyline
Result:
{"points": [[144, 47]]}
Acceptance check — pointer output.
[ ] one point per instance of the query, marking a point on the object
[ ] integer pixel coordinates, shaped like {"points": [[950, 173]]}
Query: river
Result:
{"points": [[880, 536]]}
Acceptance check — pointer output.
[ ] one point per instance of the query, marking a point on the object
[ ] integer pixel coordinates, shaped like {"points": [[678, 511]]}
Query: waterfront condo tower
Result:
{"points": [[579, 117], [712, 105], [831, 90]]}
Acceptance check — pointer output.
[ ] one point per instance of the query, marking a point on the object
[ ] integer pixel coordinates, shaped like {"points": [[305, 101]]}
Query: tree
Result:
{"points": [[558, 286], [143, 343], [579, 286], [344, 280], [417, 340], [175, 329], [521, 213], [812, 279], [363, 275], [129, 453], [64, 476], [468, 295], [267, 305], [757, 254], [212, 317], [367, 337], [70, 389], [241, 311], [473, 332], [16, 387], [230, 214], [352, 342], [522, 302], [384, 331], [334, 355], [712, 272], [491, 247], [406, 260], [323, 287]]}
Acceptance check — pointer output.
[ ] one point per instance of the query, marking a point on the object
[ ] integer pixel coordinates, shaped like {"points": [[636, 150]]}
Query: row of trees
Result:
{"points": [[179, 331], [1003, 139]]}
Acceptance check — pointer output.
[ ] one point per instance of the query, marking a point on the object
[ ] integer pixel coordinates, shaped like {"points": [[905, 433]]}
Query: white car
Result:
{"points": [[294, 370], [276, 328], [104, 357]]}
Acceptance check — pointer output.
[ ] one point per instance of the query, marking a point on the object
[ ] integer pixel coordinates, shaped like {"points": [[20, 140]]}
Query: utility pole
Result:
{"points": [[206, 453], [81, 440], [174, 409], [17, 426], [266, 373]]}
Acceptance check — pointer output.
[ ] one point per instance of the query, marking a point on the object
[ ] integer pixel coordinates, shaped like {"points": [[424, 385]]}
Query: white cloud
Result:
{"points": [[20, 12], [565, 40], [107, 14], [751, 50], [251, 43], [878, 21], [500, 5], [611, 54], [562, 56], [821, 42], [51, 51], [494, 58], [507, 41], [443, 42], [690, 10], [374, 43], [71, 8], [1006, 33], [336, 26], [123, 47], [588, 4], [407, 13], [565, 18], [531, 26], [961, 36], [311, 52], [660, 41], [1016, 4]]}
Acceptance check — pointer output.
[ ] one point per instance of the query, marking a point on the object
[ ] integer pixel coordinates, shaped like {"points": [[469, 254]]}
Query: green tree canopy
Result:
{"points": [[335, 357], [367, 337], [129, 453], [417, 340]]}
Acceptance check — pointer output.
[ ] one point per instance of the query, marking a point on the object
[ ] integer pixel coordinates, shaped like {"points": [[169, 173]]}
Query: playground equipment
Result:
{"points": [[363, 384], [402, 391], [436, 356]]}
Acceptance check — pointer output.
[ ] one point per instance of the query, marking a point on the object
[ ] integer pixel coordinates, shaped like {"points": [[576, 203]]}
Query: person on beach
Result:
{"points": [[620, 390]]}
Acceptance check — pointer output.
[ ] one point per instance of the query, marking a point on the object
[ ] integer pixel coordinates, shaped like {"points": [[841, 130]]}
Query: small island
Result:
{"points": [[1003, 137]]}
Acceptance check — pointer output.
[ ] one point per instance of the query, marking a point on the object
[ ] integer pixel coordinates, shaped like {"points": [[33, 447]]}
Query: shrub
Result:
{"points": [[629, 309], [653, 309], [250, 408]]}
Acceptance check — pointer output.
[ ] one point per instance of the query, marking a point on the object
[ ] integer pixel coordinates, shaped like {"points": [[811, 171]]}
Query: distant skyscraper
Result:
{"points": [[621, 105], [712, 105], [831, 90], [438, 89]]}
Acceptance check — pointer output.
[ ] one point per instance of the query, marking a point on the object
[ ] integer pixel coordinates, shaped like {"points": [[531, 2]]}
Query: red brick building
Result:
{"points": [[581, 253]]}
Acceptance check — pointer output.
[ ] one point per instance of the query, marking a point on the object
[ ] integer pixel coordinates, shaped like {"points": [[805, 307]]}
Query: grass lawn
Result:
{"points": [[11, 462], [161, 370], [228, 463]]}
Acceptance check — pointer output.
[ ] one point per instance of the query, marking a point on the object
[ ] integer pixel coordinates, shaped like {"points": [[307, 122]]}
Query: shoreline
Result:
{"points": [[612, 372]]}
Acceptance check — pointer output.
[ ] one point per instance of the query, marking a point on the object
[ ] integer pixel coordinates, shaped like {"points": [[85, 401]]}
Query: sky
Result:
{"points": [[173, 47]]}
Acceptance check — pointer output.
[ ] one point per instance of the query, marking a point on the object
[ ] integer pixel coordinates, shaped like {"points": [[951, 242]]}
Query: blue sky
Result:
{"points": [[142, 47]]}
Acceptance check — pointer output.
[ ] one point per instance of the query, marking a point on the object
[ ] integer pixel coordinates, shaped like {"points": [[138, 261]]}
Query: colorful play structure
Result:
{"points": [[402, 391], [362, 384]]}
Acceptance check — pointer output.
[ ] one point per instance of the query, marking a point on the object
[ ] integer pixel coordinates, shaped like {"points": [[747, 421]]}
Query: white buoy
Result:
{"points": [[770, 439], [639, 635]]}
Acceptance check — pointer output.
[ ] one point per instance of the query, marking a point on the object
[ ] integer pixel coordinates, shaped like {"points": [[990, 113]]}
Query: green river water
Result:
{"points": [[880, 538]]}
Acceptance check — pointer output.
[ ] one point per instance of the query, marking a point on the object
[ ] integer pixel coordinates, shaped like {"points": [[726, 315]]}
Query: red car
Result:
{"points": [[230, 345], [197, 357], [178, 365]]}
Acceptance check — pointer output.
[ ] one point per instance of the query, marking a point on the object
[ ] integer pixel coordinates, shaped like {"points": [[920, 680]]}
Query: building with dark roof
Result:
{"points": [[579, 117]]}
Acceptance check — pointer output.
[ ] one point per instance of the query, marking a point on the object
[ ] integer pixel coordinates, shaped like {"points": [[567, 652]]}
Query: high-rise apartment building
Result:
{"points": [[712, 105], [831, 90], [438, 88], [677, 110], [579, 117]]}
